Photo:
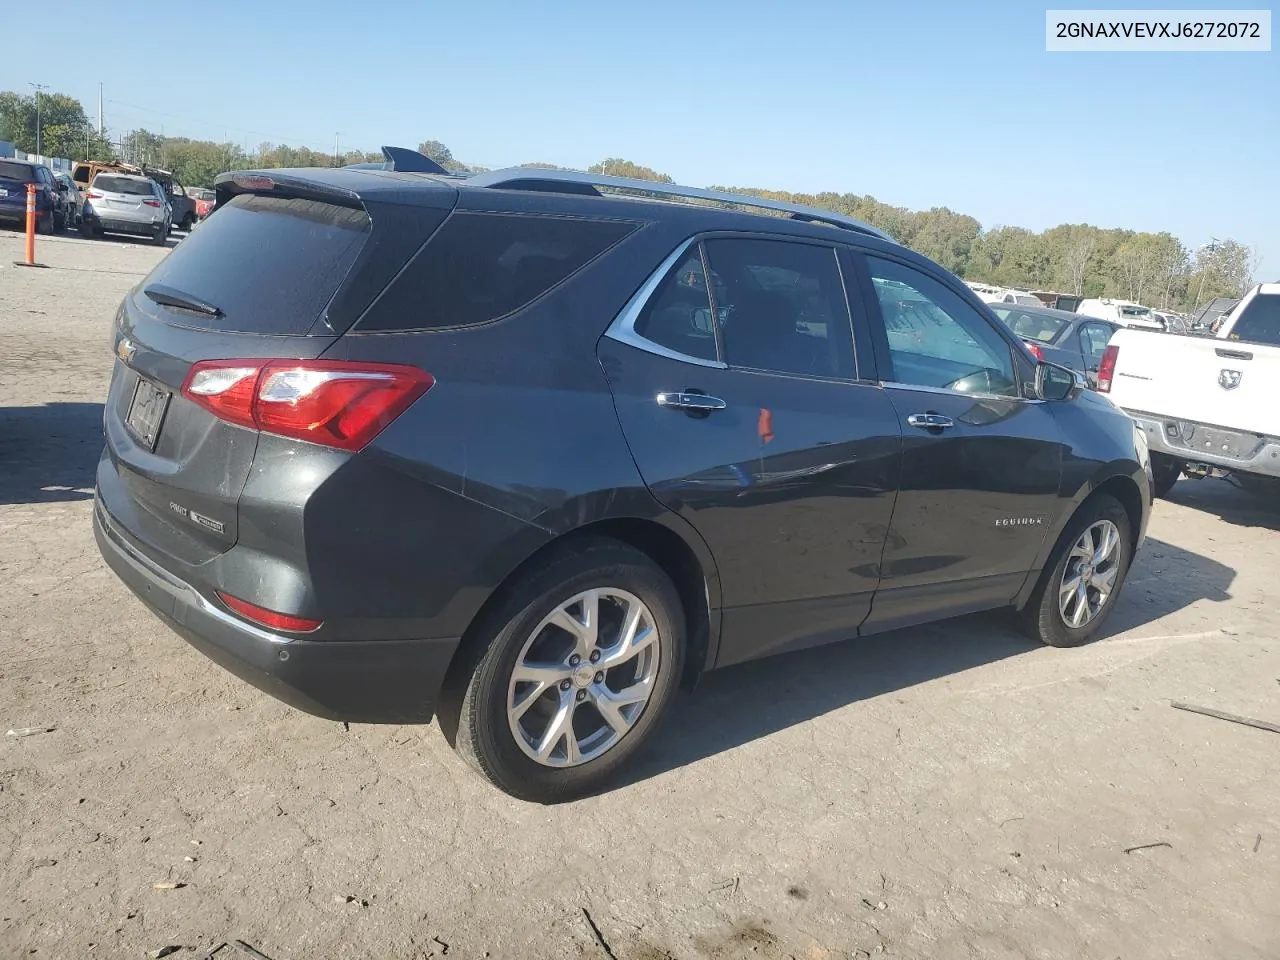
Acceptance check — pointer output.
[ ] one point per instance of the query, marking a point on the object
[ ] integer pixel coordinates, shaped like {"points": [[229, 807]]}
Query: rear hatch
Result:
{"points": [[14, 177], [280, 273]]}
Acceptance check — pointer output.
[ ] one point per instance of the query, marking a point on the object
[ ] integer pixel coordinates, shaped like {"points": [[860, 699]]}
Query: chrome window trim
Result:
{"points": [[946, 392], [623, 328]]}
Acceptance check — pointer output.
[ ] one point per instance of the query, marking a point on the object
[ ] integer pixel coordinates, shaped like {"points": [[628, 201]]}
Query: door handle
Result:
{"points": [[693, 402], [930, 421]]}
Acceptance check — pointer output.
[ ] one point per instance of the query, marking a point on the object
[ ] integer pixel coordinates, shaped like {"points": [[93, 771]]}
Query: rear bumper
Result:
{"points": [[142, 228], [1181, 439], [365, 681]]}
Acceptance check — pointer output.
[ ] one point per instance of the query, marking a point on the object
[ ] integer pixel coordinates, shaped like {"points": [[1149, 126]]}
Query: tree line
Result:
{"points": [[1152, 268]]}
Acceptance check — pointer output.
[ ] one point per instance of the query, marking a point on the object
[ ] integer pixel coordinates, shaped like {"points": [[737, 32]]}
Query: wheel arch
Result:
{"points": [[1124, 488], [684, 557]]}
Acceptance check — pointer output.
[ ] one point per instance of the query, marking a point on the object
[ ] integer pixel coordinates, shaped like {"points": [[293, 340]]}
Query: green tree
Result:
{"points": [[614, 167], [64, 129]]}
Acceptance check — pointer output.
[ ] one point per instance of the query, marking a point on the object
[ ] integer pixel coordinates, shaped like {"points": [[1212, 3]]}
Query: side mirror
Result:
{"points": [[1054, 382]]}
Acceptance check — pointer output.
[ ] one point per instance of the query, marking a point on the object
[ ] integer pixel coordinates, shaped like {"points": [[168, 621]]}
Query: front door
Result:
{"points": [[740, 401], [981, 464]]}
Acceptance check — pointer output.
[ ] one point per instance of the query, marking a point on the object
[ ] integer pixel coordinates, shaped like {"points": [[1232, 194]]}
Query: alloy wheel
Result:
{"points": [[1089, 577], [583, 678]]}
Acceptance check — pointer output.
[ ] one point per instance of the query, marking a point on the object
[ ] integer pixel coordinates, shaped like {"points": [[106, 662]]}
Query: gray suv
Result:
{"points": [[125, 203]]}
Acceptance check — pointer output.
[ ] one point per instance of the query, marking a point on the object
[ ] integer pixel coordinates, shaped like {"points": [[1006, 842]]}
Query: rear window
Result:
{"points": [[1127, 311], [270, 264], [1032, 326], [12, 170], [133, 188], [484, 266], [1260, 322]]}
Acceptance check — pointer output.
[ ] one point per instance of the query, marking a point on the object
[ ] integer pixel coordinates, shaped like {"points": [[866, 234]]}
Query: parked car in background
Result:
{"points": [[1124, 313], [182, 206], [392, 445], [72, 199], [1060, 337], [989, 294], [1206, 404], [126, 203], [1171, 322], [206, 200], [14, 177]]}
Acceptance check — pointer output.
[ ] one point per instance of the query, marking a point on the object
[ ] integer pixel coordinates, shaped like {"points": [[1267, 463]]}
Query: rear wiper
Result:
{"points": [[169, 297]]}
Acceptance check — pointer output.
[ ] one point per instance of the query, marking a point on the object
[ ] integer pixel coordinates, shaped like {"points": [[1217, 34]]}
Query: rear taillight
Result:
{"points": [[1107, 367], [94, 195], [331, 402], [269, 618], [152, 203], [1035, 349]]}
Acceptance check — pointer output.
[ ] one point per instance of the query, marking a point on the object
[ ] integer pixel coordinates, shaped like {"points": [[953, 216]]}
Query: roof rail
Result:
{"points": [[570, 181]]}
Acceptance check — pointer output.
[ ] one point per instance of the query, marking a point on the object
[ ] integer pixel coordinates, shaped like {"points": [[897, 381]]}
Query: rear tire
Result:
{"points": [[1166, 471], [517, 633], [188, 222], [44, 224], [1044, 617]]}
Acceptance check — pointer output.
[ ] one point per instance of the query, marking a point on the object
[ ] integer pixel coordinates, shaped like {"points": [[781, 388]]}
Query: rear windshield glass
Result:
{"points": [[16, 171], [133, 188], [482, 266], [1134, 312], [1260, 322], [270, 264]]}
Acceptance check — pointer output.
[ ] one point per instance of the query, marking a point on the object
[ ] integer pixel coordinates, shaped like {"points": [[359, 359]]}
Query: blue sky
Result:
{"points": [[916, 104]]}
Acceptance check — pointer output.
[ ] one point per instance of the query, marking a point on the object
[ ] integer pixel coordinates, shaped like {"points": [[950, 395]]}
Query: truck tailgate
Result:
{"points": [[1218, 382]]}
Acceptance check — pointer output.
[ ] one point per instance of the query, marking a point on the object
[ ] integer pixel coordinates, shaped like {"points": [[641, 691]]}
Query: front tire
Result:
{"points": [[1165, 470], [580, 661], [1078, 590]]}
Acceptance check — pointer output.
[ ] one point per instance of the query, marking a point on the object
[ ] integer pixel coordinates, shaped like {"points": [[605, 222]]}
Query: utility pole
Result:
{"points": [[336, 138], [99, 108], [39, 87]]}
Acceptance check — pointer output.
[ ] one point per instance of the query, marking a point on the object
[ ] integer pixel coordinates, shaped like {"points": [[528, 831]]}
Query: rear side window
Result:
{"points": [[782, 307], [484, 266], [11, 170], [133, 188], [678, 315], [1260, 322], [270, 264]]}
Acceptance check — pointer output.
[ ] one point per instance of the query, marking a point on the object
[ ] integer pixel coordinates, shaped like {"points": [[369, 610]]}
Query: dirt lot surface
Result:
{"points": [[946, 792]]}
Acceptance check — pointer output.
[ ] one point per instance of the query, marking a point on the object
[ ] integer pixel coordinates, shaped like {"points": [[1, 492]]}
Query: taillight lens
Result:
{"points": [[269, 618], [1035, 349], [331, 402], [152, 203], [93, 195], [1107, 367]]}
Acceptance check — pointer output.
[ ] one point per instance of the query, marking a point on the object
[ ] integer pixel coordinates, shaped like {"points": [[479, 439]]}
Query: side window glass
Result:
{"points": [[678, 315], [781, 307], [935, 338], [1094, 337]]}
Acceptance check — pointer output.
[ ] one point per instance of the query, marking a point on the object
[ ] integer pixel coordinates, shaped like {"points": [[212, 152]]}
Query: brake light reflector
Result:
{"points": [[331, 402], [1107, 367], [269, 618], [151, 203], [1035, 349], [93, 195]]}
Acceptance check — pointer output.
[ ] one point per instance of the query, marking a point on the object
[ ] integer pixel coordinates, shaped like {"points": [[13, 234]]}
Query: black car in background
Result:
{"points": [[525, 451], [14, 177], [1057, 336]]}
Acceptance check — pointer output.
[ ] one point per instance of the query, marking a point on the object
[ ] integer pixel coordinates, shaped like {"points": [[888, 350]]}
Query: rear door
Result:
{"points": [[14, 177], [738, 390], [254, 283], [981, 465]]}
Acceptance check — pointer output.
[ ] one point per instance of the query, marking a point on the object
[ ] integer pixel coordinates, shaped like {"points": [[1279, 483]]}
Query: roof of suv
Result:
{"points": [[616, 195]]}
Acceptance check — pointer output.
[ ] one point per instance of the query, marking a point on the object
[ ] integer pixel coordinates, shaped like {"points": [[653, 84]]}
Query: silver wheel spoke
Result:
{"points": [[1069, 587], [636, 634], [559, 728], [612, 704], [1106, 580], [543, 673]]}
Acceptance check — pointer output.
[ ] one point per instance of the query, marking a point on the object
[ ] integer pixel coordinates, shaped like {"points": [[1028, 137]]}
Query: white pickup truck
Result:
{"points": [[1205, 403]]}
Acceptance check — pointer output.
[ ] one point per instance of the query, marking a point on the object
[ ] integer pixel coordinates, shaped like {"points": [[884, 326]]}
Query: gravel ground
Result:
{"points": [[945, 792]]}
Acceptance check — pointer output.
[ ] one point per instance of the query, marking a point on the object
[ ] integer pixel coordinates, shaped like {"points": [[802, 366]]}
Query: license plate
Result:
{"points": [[146, 412]]}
